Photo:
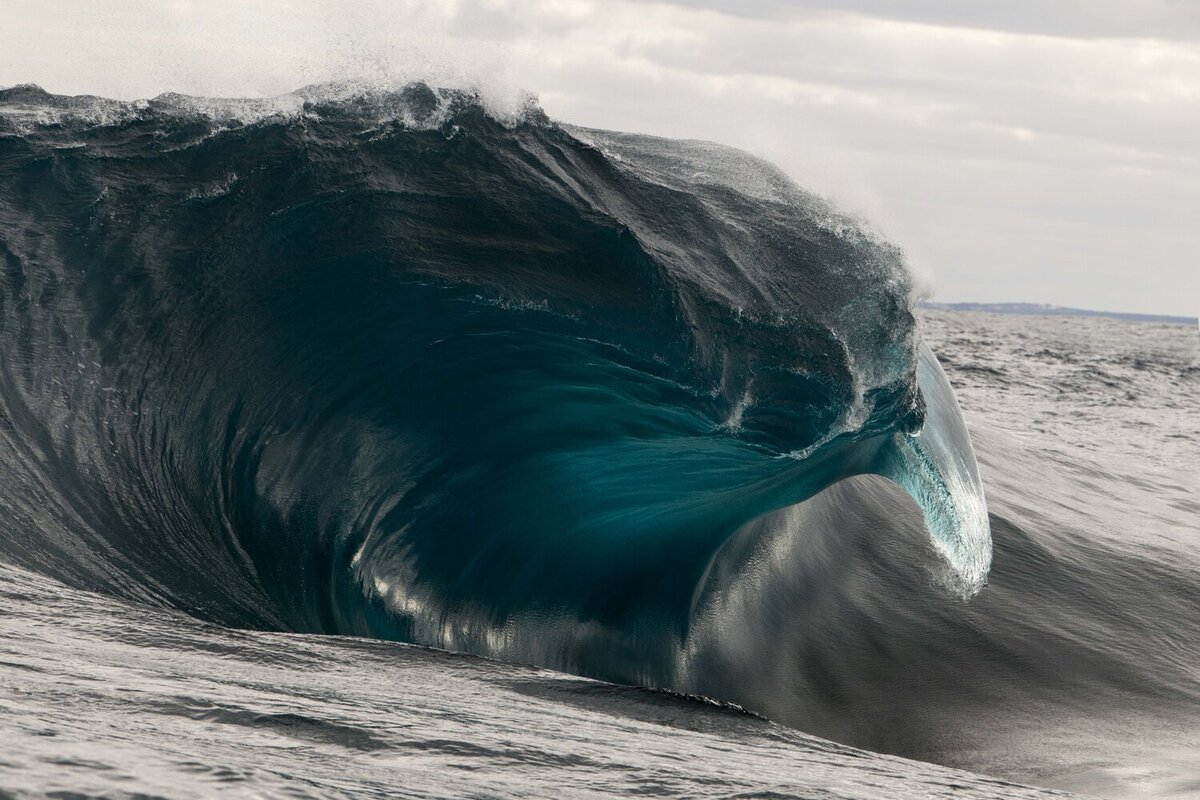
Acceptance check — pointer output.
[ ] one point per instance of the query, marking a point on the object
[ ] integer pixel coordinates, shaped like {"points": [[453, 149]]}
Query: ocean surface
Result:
{"points": [[323, 417]]}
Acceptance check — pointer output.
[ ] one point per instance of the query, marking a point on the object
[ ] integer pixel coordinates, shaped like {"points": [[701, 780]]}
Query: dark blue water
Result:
{"points": [[389, 365]]}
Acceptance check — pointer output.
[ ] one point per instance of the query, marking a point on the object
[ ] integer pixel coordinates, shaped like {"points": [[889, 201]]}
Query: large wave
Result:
{"points": [[385, 363]]}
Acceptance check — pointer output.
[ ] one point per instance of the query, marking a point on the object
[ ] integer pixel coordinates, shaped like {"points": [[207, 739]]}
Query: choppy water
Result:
{"points": [[101, 698], [274, 374], [1088, 434]]}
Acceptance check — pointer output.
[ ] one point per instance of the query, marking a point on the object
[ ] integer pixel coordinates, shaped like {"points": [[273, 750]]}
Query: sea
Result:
{"points": [[385, 443]]}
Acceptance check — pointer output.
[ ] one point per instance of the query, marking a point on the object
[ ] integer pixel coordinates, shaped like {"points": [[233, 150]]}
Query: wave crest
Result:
{"points": [[384, 363]]}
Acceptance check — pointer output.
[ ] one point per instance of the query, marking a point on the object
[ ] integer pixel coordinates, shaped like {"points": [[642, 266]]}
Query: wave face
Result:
{"points": [[389, 364]]}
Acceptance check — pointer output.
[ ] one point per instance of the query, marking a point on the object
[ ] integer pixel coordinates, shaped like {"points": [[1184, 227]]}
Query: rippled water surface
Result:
{"points": [[101, 698], [1085, 675]]}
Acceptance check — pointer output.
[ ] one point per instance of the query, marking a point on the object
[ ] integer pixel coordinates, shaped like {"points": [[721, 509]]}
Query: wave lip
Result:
{"points": [[937, 468]]}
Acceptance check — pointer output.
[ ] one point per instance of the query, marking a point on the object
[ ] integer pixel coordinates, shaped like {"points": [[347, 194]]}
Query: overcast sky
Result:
{"points": [[1036, 150]]}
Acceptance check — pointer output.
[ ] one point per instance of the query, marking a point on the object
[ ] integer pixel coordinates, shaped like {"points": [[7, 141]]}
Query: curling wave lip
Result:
{"points": [[937, 468]]}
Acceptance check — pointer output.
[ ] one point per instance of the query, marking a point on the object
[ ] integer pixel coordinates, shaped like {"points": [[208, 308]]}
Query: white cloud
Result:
{"points": [[1019, 151]]}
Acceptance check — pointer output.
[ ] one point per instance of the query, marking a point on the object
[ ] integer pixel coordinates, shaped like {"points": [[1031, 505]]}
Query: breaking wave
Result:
{"points": [[391, 364]]}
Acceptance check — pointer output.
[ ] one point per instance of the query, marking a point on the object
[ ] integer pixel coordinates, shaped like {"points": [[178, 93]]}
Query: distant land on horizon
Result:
{"points": [[1045, 309]]}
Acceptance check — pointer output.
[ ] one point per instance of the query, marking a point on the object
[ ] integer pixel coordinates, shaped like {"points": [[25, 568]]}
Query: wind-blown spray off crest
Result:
{"points": [[383, 363]]}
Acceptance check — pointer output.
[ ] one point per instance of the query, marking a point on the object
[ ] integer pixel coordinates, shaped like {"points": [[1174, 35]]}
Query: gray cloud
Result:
{"points": [[1151, 19]]}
